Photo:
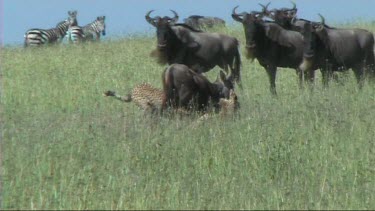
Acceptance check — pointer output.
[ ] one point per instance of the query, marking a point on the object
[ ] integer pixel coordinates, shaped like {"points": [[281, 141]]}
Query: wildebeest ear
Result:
{"points": [[278, 34]]}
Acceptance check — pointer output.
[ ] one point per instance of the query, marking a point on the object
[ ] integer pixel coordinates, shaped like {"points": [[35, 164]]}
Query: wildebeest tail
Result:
{"points": [[237, 66]]}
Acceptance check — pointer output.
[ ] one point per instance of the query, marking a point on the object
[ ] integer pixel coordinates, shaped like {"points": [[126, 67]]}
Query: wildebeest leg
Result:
{"points": [[359, 75], [301, 76], [306, 76], [326, 76], [310, 74], [185, 96], [271, 71]]}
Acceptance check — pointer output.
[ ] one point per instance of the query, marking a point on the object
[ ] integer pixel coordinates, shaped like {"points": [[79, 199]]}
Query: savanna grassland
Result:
{"points": [[65, 146]]}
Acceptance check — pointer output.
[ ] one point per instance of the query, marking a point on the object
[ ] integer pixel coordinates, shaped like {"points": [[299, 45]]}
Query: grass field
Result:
{"points": [[65, 146]]}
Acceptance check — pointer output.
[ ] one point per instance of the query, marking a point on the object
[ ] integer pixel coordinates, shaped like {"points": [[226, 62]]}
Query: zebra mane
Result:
{"points": [[89, 24], [63, 23]]}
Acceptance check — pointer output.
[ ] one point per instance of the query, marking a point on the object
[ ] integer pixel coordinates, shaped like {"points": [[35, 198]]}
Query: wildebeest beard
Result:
{"points": [[250, 54], [160, 56]]}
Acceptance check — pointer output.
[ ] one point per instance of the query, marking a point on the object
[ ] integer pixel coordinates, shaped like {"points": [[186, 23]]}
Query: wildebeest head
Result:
{"points": [[163, 30], [311, 32], [224, 84], [320, 28], [282, 16], [101, 24], [249, 22]]}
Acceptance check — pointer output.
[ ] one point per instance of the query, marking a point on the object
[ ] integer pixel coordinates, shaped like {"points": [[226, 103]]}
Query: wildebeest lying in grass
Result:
{"points": [[187, 89], [202, 22]]}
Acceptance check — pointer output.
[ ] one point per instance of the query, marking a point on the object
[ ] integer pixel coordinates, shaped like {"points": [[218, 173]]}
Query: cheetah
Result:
{"points": [[144, 95], [229, 106]]}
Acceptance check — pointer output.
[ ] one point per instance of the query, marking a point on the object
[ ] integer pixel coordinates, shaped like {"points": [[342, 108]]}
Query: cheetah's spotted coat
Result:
{"points": [[145, 96]]}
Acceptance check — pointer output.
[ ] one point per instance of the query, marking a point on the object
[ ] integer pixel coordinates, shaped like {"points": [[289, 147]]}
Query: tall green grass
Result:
{"points": [[65, 146]]}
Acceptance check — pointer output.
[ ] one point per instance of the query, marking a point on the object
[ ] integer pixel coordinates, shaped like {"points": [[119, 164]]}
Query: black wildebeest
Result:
{"points": [[200, 51], [284, 17], [272, 45], [202, 22], [334, 49], [184, 88]]}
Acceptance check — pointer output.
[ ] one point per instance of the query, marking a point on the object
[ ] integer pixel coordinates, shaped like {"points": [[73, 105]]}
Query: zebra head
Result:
{"points": [[72, 19], [101, 24], [63, 26]]}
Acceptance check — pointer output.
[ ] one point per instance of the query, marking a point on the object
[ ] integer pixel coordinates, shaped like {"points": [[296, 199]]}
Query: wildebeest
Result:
{"points": [[200, 51], [202, 22], [184, 88], [272, 45], [334, 49], [285, 17]]}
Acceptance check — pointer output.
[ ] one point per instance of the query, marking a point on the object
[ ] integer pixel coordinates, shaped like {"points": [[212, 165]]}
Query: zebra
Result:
{"points": [[89, 32], [75, 34], [38, 37]]}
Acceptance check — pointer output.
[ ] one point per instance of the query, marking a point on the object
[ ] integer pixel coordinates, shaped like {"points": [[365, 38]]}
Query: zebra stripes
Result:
{"points": [[89, 32], [37, 37], [75, 34], [92, 31]]}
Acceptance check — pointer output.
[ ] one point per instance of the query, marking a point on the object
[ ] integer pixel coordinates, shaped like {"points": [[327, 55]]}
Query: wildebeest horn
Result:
{"points": [[322, 19], [175, 18], [236, 16], [294, 5], [265, 7], [149, 19]]}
